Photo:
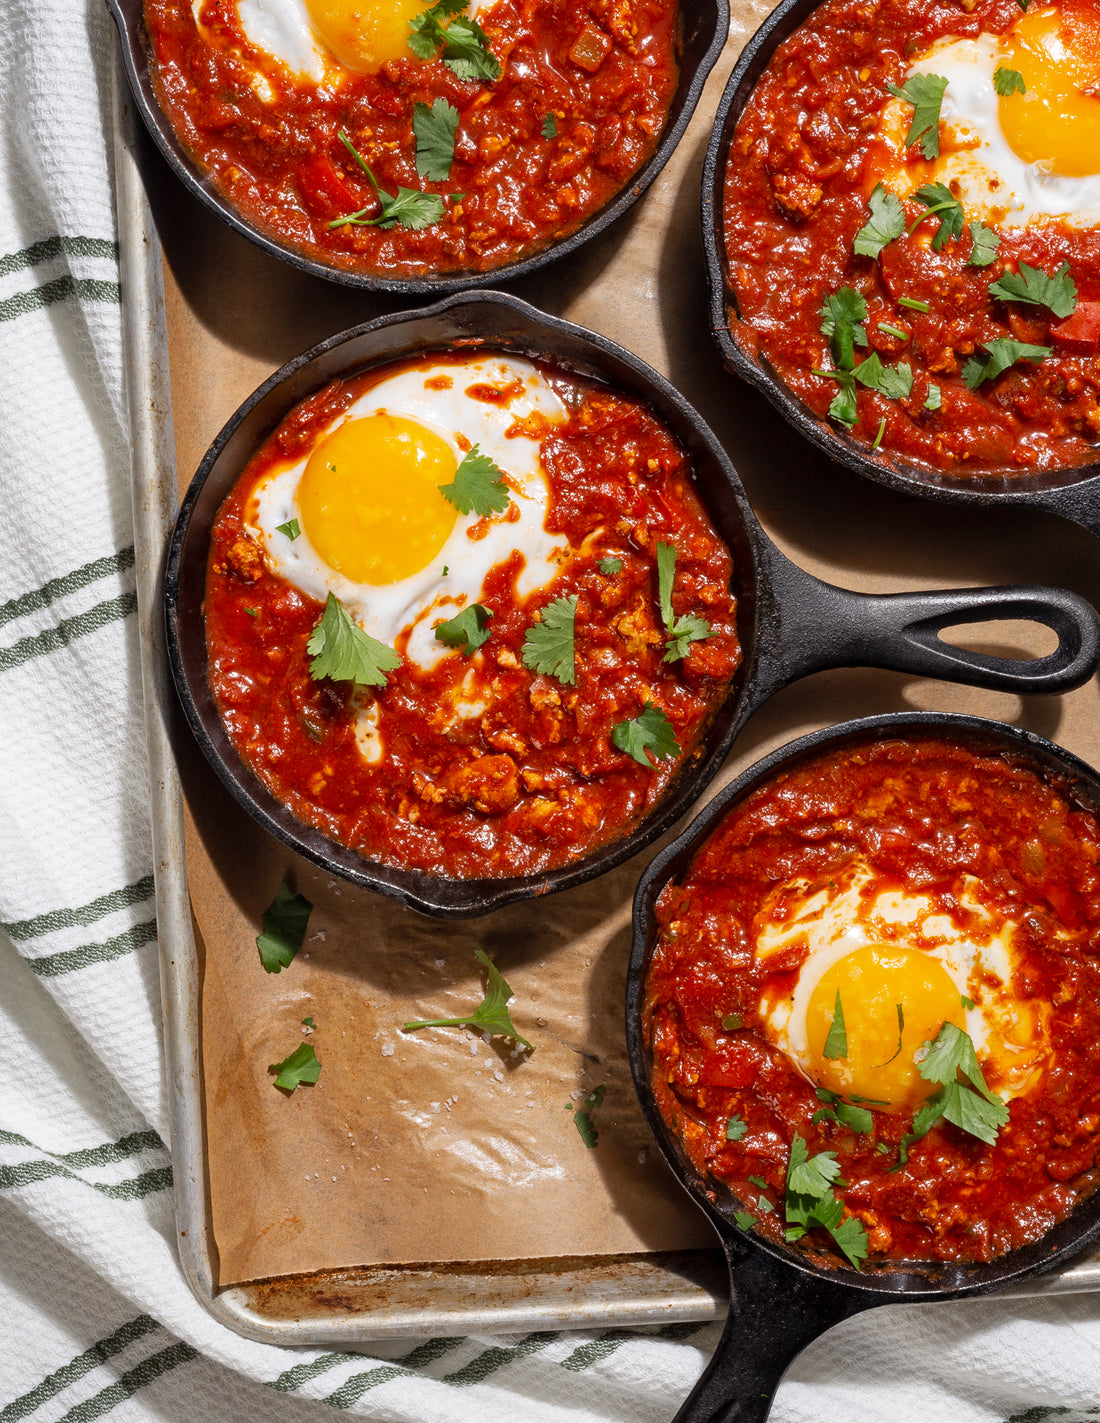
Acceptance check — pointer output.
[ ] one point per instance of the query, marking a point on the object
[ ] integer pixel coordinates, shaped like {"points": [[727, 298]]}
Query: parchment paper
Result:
{"points": [[437, 1146]]}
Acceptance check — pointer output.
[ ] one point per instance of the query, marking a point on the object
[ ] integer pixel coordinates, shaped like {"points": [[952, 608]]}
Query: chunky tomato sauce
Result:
{"points": [[605, 70], [529, 779], [804, 159], [933, 818]]}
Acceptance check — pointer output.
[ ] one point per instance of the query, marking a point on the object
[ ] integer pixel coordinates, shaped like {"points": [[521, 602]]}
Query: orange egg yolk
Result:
{"points": [[363, 34], [1056, 122], [369, 499], [872, 981]]}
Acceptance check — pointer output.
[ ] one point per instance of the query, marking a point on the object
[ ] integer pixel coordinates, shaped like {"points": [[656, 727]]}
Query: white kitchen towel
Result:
{"points": [[95, 1317]]}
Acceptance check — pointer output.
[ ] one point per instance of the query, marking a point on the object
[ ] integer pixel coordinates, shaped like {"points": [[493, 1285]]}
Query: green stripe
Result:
{"points": [[86, 288], [493, 1359], [51, 965], [83, 1364], [105, 1155], [596, 1350], [22, 929], [354, 1388], [68, 630], [302, 1373], [133, 1379], [70, 583], [30, 1172], [51, 247]]}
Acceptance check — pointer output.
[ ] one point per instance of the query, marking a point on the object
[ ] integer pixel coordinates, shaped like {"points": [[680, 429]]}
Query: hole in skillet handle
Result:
{"points": [[781, 1299], [704, 27]]}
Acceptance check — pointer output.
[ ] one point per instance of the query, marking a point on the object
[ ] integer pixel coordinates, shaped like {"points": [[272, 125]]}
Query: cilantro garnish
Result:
{"points": [[842, 407], [291, 528], [1008, 81], [549, 127], [892, 330], [684, 630], [408, 207], [762, 1202], [435, 130], [837, 1110], [549, 647], [901, 1029], [464, 43], [732, 1021], [301, 1066], [941, 202], [842, 315], [879, 434], [966, 1002], [284, 929], [743, 1220], [1023, 4], [986, 242], [759, 1183], [649, 731], [491, 1015], [810, 1201], [1001, 353], [609, 566], [934, 399], [1058, 293], [343, 651], [582, 1118], [468, 629], [886, 222], [925, 93], [736, 1128], [913, 304], [969, 1105], [895, 382], [478, 485], [308, 1023], [836, 1044]]}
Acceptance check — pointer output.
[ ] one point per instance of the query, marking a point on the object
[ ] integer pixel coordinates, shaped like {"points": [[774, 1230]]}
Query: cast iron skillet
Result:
{"points": [[780, 1300], [705, 26], [1072, 493], [789, 623]]}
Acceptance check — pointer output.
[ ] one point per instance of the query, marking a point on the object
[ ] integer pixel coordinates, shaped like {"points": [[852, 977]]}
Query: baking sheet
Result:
{"points": [[232, 316]]}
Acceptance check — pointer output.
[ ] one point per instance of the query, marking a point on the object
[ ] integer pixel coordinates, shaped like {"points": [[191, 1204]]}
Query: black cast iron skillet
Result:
{"points": [[705, 24], [781, 1299], [1073, 494], [789, 623]]}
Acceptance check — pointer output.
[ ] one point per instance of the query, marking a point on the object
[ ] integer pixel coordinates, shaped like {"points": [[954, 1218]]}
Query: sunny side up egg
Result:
{"points": [[1019, 158], [902, 968]]}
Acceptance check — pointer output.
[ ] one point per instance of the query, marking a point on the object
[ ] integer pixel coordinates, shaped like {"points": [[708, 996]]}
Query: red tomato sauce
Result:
{"points": [[928, 816], [801, 168], [605, 69], [533, 780]]}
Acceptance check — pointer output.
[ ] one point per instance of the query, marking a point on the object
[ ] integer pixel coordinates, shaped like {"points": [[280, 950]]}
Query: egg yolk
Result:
{"points": [[362, 34], [369, 499], [872, 982], [1056, 122]]}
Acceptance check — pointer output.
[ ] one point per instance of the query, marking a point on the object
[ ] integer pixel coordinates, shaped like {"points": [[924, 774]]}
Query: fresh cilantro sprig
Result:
{"points": [[683, 630], [582, 1116], [284, 928], [292, 529], [925, 92], [434, 129], [736, 1128], [549, 646], [468, 629], [895, 382], [886, 222], [343, 651], [1008, 81], [934, 399], [901, 1030], [491, 1015], [743, 1220], [843, 313], [941, 203], [650, 731], [464, 44], [986, 243], [836, 1044], [408, 207], [969, 1104], [1001, 353], [810, 1201], [301, 1066], [1032, 285], [610, 566], [549, 127], [478, 485], [859, 1119]]}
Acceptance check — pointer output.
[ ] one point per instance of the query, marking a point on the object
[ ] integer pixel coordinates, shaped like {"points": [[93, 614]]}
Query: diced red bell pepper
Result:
{"points": [[1081, 330]]}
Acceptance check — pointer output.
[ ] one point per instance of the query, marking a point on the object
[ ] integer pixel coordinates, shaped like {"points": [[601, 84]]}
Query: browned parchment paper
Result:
{"points": [[436, 1146]]}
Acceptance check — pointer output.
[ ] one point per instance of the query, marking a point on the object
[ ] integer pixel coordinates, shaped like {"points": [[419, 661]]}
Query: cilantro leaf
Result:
{"points": [[549, 127], [408, 207], [491, 1015], [941, 202], [478, 485], [851, 1238], [343, 651], [743, 1220], [308, 1023], [1008, 81], [952, 1052], [435, 130], [649, 731], [810, 1201], [291, 528], [549, 645], [843, 313], [925, 93], [843, 407], [886, 222], [859, 1119], [684, 630], [609, 566], [901, 1029], [582, 1119], [284, 929], [1030, 284], [836, 1044], [736, 1128], [468, 629], [895, 382], [464, 43], [1001, 353], [759, 1182], [934, 399], [425, 27], [810, 1175], [970, 1105], [301, 1066], [986, 242]]}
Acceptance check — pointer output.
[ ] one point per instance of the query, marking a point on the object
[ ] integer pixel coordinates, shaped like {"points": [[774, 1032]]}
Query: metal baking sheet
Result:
{"points": [[878, 542]]}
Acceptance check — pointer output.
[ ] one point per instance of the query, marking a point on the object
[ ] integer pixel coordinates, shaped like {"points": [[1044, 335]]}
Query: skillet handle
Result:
{"points": [[815, 625], [775, 1311]]}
